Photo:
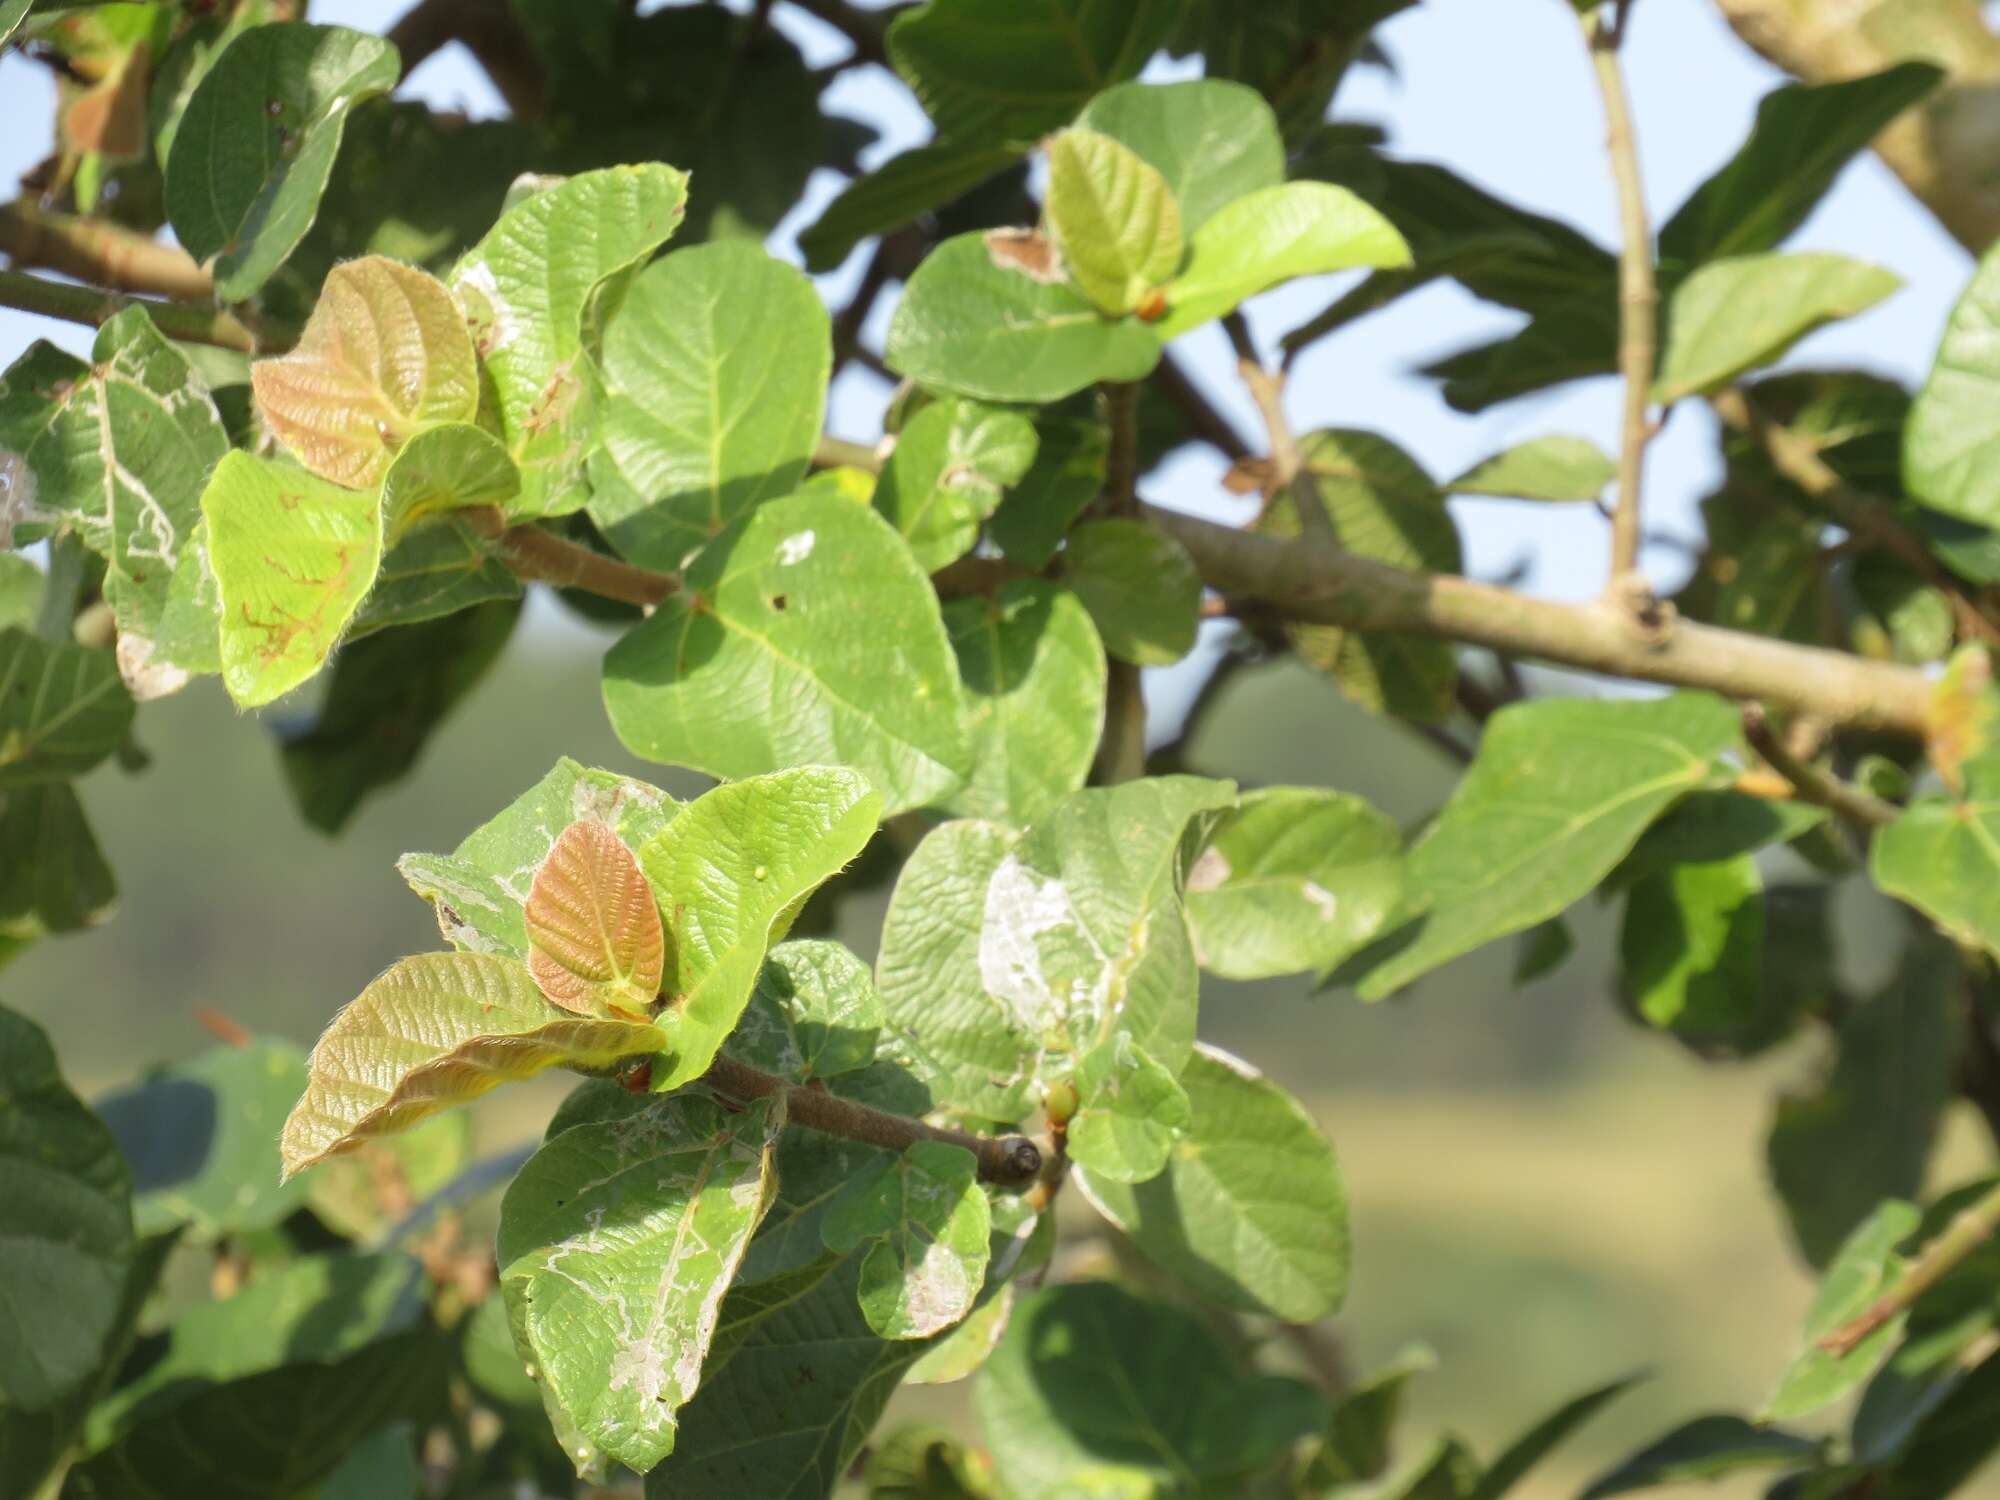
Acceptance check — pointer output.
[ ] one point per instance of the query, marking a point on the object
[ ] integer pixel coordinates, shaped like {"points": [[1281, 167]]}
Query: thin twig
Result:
{"points": [[1267, 389], [1121, 753], [1971, 1228], [543, 557], [94, 308], [1865, 517], [1809, 781], [1008, 1160], [100, 253], [839, 453], [1638, 296]]}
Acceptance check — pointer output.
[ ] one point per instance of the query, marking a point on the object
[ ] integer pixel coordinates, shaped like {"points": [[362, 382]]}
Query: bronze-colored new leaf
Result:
{"points": [[434, 1031], [595, 943], [385, 353]]}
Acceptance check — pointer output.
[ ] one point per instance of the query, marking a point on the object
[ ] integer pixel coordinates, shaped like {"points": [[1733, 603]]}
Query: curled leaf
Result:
{"points": [[434, 1031], [595, 942], [385, 352]]}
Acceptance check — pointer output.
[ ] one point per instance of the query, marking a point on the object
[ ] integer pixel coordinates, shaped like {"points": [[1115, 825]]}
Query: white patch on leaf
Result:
{"points": [[1210, 871], [1321, 899], [795, 548]]}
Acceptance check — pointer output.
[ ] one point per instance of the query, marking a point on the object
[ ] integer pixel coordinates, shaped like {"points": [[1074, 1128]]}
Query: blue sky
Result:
{"points": [[1501, 90]]}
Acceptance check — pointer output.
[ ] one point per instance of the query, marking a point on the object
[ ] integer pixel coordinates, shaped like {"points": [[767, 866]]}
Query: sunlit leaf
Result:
{"points": [[1210, 139], [595, 943], [715, 364], [925, 1222], [292, 555], [1113, 219], [1554, 468], [816, 1013], [1251, 1209], [616, 1322], [385, 354], [435, 1031], [1130, 1112], [1140, 586], [730, 873], [947, 472]]}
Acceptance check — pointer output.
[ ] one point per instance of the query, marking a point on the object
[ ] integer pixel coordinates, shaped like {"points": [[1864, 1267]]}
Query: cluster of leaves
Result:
{"points": [[774, 1197]]}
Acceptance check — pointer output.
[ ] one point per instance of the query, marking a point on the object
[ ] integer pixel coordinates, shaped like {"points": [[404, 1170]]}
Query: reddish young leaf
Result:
{"points": [[594, 934]]}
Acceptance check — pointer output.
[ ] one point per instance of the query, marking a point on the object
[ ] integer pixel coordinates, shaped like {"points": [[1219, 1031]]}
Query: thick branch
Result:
{"points": [[1809, 781], [1638, 297], [1973, 1226], [1007, 1160], [1863, 515], [87, 305], [1314, 584], [1943, 150], [100, 253], [543, 557]]}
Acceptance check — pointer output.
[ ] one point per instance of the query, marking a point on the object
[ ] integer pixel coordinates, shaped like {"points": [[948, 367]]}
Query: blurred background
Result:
{"points": [[1543, 1193]]}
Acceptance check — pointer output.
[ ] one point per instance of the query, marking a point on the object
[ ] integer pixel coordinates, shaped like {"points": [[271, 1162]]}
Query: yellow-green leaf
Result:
{"points": [[595, 942], [384, 353], [1114, 218], [292, 557], [435, 1031]]}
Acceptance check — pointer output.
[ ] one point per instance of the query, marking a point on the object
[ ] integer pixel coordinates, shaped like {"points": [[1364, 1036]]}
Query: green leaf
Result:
{"points": [[1537, 1442], [122, 460], [436, 570], [1866, 1267], [947, 472], [1293, 879], [731, 872], [318, 1308], [595, 942], [62, 709], [1554, 468], [1560, 790], [478, 890], [1361, 1432], [1692, 947], [1034, 674], [293, 555], [1273, 235], [53, 877], [1902, 616], [383, 1466], [1251, 1210], [786, 607], [69, 1244], [999, 949], [435, 1031], [1737, 314], [804, 1381], [1211, 140], [1950, 1442], [202, 1140], [906, 185], [996, 71], [617, 1243], [973, 322], [452, 466], [1138, 1398], [715, 366], [961, 1352], [1706, 1448], [35, 1445], [535, 291], [1112, 217], [1805, 134], [20, 591], [257, 142], [1140, 586], [1865, 1132], [1954, 431], [1943, 857], [1130, 1112], [1383, 505], [816, 1013], [384, 355], [926, 1224], [387, 696], [274, 1433], [1071, 455]]}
